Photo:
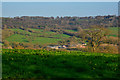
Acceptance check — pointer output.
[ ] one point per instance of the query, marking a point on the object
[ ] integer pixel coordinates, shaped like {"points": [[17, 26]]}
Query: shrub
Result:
{"points": [[108, 49]]}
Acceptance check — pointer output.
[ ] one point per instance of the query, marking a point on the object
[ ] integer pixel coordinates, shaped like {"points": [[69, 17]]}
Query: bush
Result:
{"points": [[108, 49]]}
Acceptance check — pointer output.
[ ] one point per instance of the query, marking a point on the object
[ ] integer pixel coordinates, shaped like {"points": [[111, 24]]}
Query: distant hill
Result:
{"points": [[39, 32], [60, 22]]}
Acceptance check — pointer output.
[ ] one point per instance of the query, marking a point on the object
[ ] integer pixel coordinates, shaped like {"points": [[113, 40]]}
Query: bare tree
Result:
{"points": [[95, 36]]}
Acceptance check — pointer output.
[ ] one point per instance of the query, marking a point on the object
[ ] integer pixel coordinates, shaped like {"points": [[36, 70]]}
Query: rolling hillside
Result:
{"points": [[46, 65]]}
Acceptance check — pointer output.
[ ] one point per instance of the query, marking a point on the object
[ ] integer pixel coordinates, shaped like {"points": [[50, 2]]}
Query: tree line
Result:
{"points": [[59, 22]]}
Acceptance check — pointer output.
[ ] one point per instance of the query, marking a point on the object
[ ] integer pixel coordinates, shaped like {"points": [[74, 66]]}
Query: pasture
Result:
{"points": [[43, 64]]}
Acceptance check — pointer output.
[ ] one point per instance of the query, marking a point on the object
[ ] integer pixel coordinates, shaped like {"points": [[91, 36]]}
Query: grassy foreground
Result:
{"points": [[58, 64]]}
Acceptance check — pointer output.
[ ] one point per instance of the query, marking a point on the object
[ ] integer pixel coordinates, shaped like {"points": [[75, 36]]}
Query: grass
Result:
{"points": [[35, 37], [61, 36], [113, 28], [72, 30], [17, 38], [43, 40], [42, 64], [34, 40], [40, 32], [113, 35], [37, 29], [21, 31], [114, 31]]}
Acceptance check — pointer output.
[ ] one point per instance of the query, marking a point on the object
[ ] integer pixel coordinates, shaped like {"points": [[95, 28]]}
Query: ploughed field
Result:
{"points": [[43, 64]]}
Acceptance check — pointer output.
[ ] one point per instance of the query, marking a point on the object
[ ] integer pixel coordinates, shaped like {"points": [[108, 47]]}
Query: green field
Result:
{"points": [[39, 32], [44, 64], [39, 40], [71, 30], [61, 36], [114, 31], [41, 37], [21, 31], [37, 29], [35, 36], [17, 38], [43, 40]]}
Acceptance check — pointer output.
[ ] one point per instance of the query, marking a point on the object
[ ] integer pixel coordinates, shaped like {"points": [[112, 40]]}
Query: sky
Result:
{"points": [[81, 9], [60, 0]]}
